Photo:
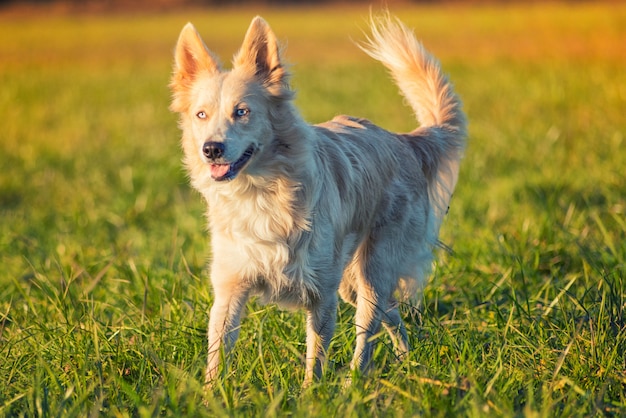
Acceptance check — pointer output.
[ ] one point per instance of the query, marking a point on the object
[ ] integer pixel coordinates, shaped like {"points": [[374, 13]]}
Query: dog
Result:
{"points": [[300, 213]]}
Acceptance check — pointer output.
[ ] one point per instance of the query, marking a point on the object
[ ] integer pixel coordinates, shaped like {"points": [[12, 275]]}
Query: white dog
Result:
{"points": [[299, 213]]}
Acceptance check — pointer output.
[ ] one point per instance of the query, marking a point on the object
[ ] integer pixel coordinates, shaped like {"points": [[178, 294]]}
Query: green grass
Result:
{"points": [[103, 287]]}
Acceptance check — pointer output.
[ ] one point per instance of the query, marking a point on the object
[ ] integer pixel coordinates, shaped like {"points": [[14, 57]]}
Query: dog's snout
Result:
{"points": [[213, 150]]}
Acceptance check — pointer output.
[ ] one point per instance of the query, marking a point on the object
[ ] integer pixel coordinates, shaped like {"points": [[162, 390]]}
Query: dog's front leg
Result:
{"points": [[320, 326], [224, 321]]}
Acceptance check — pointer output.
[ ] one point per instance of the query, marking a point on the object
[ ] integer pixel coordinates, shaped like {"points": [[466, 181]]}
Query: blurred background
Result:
{"points": [[103, 247]]}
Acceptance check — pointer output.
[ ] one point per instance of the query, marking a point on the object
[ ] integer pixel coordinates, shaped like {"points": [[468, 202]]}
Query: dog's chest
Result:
{"points": [[277, 268], [266, 242]]}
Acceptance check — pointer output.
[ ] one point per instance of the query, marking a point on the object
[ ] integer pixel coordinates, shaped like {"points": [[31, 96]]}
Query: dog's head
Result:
{"points": [[226, 115]]}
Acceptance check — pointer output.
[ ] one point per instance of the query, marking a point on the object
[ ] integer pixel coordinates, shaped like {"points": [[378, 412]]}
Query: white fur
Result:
{"points": [[341, 207]]}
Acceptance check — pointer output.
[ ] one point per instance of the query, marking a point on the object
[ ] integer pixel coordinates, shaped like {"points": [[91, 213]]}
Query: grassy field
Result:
{"points": [[103, 286]]}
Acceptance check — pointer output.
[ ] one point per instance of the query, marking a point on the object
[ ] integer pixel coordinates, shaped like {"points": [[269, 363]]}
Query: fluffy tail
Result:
{"points": [[440, 140]]}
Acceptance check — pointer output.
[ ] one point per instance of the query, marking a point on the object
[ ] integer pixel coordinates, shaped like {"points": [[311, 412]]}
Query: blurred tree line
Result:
{"points": [[98, 6], [148, 4]]}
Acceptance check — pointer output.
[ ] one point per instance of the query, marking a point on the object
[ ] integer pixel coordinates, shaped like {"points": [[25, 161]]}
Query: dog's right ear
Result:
{"points": [[190, 58], [192, 55]]}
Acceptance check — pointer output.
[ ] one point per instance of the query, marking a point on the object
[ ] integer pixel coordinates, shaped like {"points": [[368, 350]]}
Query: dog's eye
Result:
{"points": [[201, 114], [241, 112]]}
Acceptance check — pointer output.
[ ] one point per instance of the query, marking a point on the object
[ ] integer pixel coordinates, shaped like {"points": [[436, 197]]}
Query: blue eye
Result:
{"points": [[241, 112], [201, 114]]}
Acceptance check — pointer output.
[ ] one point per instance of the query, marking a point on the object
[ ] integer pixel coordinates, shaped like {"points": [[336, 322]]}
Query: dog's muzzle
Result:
{"points": [[220, 168]]}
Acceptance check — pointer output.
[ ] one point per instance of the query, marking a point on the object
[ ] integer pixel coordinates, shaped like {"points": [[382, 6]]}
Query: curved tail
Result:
{"points": [[440, 140]]}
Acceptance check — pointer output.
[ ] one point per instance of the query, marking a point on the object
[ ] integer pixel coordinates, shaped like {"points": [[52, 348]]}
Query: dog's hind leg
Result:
{"points": [[395, 326], [375, 274], [367, 321], [320, 326], [369, 316]]}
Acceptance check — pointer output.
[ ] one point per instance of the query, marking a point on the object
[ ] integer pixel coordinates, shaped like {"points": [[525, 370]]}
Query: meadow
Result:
{"points": [[103, 247]]}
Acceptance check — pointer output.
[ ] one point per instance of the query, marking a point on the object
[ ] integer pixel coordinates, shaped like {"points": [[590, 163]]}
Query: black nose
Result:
{"points": [[213, 150]]}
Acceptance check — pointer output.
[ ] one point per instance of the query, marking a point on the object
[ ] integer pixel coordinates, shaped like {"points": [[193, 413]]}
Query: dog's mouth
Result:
{"points": [[222, 172]]}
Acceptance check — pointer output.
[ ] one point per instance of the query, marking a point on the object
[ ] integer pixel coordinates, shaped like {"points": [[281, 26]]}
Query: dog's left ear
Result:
{"points": [[260, 52]]}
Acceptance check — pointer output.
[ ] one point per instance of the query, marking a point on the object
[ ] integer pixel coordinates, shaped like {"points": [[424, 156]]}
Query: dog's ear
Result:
{"points": [[190, 58], [260, 52], [192, 55]]}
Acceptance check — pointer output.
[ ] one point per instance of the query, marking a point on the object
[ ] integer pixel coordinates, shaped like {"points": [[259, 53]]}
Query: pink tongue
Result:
{"points": [[219, 170]]}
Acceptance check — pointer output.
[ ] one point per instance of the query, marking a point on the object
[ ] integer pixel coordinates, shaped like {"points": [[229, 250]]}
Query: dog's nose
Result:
{"points": [[213, 150]]}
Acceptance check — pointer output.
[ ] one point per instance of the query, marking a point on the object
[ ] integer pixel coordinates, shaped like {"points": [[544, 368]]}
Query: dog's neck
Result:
{"points": [[273, 190]]}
